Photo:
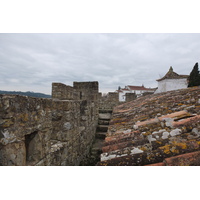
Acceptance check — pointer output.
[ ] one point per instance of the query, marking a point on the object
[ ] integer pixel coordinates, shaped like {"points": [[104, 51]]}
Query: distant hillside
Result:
{"points": [[30, 94]]}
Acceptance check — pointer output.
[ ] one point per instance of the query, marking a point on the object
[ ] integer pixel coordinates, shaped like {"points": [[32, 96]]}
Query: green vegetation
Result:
{"points": [[30, 94], [194, 78]]}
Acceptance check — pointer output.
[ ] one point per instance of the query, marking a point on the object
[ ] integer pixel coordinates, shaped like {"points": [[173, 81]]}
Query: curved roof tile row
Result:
{"points": [[161, 129]]}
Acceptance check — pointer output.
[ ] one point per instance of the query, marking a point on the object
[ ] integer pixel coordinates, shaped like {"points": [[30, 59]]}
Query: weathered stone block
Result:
{"points": [[105, 116]]}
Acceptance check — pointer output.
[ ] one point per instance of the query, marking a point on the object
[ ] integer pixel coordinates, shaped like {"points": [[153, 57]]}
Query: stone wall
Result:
{"points": [[87, 90], [57, 131], [62, 92], [130, 97], [109, 101], [25, 124]]}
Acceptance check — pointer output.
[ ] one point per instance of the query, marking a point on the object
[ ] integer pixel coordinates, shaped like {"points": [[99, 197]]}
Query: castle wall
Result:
{"points": [[87, 90], [21, 116], [109, 102], [57, 131], [130, 96], [62, 92]]}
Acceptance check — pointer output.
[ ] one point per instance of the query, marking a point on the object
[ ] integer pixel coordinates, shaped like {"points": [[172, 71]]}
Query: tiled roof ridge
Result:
{"points": [[132, 87], [172, 75], [183, 159]]}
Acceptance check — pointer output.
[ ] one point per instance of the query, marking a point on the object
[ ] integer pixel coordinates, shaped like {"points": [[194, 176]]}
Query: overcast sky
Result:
{"points": [[31, 62]]}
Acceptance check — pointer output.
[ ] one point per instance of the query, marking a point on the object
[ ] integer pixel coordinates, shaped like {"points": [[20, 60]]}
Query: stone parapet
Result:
{"points": [[130, 97], [109, 101], [57, 131], [87, 90], [64, 92]]}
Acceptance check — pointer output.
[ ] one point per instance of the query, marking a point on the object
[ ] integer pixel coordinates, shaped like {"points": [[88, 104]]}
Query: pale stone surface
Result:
{"points": [[123, 152], [67, 126], [169, 122], [127, 131], [165, 135], [150, 138], [155, 132], [195, 130], [175, 132], [135, 126], [104, 116]]}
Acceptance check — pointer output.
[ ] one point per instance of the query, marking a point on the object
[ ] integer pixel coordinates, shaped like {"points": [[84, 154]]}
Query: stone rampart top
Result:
{"points": [[94, 85], [79, 91]]}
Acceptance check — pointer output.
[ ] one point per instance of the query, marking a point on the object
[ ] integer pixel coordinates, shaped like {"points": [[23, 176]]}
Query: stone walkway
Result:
{"points": [[103, 124]]}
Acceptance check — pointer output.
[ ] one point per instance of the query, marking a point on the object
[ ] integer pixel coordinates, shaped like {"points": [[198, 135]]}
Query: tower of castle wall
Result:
{"points": [[87, 90], [62, 92], [109, 101]]}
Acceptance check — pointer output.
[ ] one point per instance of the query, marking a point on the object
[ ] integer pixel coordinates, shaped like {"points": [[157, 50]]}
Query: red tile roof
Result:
{"points": [[137, 87], [188, 159], [163, 129], [125, 89], [172, 75]]}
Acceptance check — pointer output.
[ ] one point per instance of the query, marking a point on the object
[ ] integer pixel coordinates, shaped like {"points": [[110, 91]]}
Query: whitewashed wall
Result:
{"points": [[171, 84], [122, 95]]}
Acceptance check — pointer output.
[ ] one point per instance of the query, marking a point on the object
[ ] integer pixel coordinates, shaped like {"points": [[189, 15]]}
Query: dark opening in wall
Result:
{"points": [[30, 144]]}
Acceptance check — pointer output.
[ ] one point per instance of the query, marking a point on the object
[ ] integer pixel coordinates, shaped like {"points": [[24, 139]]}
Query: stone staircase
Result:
{"points": [[103, 123]]}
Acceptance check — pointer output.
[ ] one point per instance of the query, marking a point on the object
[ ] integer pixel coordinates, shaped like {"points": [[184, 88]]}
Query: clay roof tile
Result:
{"points": [[172, 75]]}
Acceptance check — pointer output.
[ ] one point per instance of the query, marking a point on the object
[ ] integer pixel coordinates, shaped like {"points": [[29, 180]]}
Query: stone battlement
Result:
{"points": [[57, 131], [109, 101], [79, 91]]}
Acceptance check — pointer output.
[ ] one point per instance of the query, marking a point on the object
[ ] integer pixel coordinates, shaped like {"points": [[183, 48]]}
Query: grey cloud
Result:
{"points": [[34, 61]]}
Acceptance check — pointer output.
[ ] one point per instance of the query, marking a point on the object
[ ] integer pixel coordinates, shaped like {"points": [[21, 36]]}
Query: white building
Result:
{"points": [[138, 90], [172, 81]]}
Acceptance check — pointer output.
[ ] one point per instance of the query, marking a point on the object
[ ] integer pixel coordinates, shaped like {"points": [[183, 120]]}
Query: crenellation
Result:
{"points": [[87, 90], [109, 101], [57, 131], [62, 92]]}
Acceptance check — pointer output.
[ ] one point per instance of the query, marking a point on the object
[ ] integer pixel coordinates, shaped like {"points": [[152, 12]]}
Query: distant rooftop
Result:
{"points": [[172, 75], [137, 87]]}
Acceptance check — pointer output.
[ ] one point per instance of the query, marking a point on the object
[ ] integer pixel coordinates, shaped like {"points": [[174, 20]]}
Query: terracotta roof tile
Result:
{"points": [[137, 87], [157, 164], [188, 159], [184, 159], [155, 130], [172, 115], [124, 89], [172, 75]]}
